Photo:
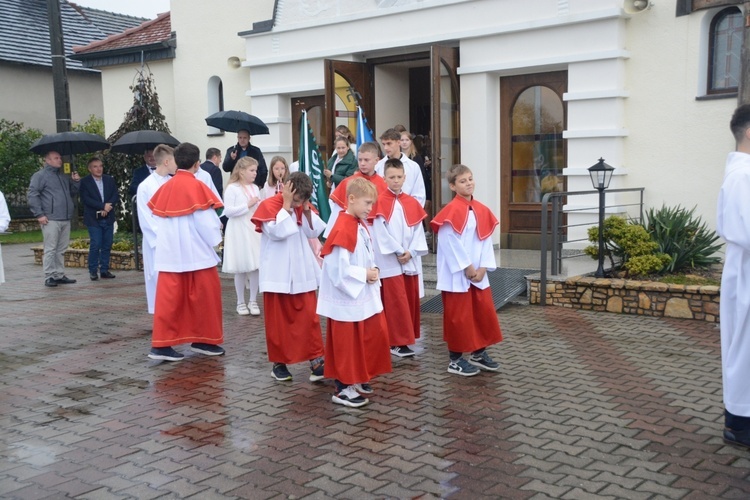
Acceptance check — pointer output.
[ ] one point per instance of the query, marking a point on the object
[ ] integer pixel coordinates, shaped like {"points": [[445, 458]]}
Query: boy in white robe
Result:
{"points": [[733, 224], [414, 182], [356, 333], [165, 168], [464, 255], [289, 278], [399, 246]]}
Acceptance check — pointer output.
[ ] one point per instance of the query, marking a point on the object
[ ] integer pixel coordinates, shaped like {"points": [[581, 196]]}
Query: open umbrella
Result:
{"points": [[69, 143], [234, 121], [139, 141]]}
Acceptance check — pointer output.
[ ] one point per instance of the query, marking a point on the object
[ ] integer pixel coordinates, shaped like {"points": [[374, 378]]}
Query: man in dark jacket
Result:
{"points": [[50, 199], [244, 148], [141, 173], [211, 165], [99, 197]]}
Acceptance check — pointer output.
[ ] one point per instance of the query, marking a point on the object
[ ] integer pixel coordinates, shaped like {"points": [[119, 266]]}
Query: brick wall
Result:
{"points": [[80, 258]]}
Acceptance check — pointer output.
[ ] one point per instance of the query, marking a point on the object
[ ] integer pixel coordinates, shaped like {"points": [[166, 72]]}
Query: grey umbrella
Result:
{"points": [[69, 143], [234, 121], [140, 140]]}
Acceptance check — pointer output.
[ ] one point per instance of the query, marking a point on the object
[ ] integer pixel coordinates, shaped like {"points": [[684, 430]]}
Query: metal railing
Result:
{"points": [[553, 221]]}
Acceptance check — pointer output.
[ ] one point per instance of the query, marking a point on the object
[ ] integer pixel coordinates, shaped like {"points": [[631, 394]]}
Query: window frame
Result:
{"points": [[715, 20]]}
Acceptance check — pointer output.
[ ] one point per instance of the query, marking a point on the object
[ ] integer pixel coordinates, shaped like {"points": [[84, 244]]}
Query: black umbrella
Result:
{"points": [[234, 121], [139, 141], [69, 143]]}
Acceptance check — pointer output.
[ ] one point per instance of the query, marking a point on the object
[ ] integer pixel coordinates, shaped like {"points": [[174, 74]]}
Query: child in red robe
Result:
{"points": [[188, 293], [356, 334], [464, 255]]}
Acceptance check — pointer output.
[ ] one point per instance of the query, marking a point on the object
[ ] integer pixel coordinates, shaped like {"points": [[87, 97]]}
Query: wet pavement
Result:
{"points": [[585, 405]]}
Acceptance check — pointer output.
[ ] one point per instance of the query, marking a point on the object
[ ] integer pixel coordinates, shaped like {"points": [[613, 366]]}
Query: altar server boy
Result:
{"points": [[399, 246], [464, 255], [165, 169], [289, 277], [188, 293], [356, 333]]}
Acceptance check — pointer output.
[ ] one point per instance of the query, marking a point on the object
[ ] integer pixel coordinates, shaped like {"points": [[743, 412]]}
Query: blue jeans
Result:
{"points": [[100, 245]]}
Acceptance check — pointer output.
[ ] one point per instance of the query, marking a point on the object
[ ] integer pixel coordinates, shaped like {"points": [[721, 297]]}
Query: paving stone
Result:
{"points": [[587, 405]]}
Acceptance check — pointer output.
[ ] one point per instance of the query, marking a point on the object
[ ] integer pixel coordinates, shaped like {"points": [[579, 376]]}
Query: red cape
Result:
{"points": [[343, 234], [413, 211], [456, 214], [338, 196], [182, 195], [269, 208]]}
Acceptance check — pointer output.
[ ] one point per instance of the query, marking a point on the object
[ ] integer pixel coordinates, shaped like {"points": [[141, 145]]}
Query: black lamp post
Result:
{"points": [[601, 174]]}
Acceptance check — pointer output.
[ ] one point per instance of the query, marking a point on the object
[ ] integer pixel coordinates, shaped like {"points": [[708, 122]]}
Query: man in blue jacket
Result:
{"points": [[50, 199], [99, 197]]}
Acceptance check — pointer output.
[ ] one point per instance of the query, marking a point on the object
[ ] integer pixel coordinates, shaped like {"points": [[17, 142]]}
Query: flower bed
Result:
{"points": [[80, 258], [624, 296]]}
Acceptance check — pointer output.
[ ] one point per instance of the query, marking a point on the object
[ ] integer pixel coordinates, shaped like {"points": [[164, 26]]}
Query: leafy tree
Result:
{"points": [[94, 125], [145, 114], [17, 164]]}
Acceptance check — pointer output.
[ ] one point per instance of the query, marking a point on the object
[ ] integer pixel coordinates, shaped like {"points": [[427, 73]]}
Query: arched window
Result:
{"points": [[725, 47], [215, 102]]}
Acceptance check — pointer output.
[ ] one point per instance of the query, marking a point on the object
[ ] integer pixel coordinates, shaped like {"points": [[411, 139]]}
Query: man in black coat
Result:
{"points": [[99, 198], [244, 148], [211, 165], [141, 173]]}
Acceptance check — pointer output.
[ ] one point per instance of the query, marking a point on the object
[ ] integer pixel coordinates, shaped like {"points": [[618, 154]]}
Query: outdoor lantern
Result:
{"points": [[601, 174]]}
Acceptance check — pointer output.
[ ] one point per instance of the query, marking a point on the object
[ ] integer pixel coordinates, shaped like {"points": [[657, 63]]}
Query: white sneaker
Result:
{"points": [[254, 309], [242, 310]]}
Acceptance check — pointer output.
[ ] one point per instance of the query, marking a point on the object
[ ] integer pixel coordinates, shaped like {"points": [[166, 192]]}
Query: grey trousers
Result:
{"points": [[56, 235]]}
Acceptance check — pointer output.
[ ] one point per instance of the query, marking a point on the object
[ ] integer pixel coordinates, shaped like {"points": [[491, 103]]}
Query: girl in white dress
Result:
{"points": [[276, 177], [241, 241]]}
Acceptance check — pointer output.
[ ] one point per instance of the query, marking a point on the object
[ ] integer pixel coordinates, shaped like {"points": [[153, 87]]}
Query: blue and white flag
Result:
{"points": [[364, 134]]}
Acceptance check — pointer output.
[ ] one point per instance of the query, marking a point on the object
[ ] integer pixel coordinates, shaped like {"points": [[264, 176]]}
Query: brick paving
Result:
{"points": [[586, 405]]}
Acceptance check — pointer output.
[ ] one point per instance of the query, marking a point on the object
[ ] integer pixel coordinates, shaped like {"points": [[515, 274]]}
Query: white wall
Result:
{"points": [[391, 98], [28, 96]]}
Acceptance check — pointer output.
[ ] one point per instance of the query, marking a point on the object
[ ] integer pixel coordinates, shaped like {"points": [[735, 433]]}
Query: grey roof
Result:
{"points": [[25, 31], [110, 23]]}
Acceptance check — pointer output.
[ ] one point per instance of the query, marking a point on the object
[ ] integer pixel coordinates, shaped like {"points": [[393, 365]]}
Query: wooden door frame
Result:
{"points": [[510, 88], [360, 75], [439, 55], [306, 103]]}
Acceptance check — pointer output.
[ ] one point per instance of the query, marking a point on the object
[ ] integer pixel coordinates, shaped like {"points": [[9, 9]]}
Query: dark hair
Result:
{"points": [[186, 155], [392, 163], [95, 158], [390, 134], [343, 129], [343, 139], [740, 121], [211, 152], [399, 128], [301, 184]]}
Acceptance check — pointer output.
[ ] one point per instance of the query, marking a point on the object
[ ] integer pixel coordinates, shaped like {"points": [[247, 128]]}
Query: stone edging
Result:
{"points": [[79, 257], [647, 298]]}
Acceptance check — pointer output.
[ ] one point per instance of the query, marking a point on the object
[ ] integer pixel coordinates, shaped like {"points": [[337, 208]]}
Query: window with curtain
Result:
{"points": [[724, 51]]}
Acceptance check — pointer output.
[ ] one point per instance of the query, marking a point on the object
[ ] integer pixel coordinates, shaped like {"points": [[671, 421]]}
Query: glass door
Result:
{"points": [[445, 134], [347, 85]]}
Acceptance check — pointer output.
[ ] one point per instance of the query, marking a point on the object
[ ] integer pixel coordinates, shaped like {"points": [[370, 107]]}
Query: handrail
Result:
{"points": [[557, 229]]}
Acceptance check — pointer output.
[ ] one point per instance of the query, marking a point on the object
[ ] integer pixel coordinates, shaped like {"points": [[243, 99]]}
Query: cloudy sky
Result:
{"points": [[141, 8]]}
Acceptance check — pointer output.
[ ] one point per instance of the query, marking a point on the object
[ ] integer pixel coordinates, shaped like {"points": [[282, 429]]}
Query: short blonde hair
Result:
{"points": [[243, 164], [452, 174], [161, 152], [360, 187]]}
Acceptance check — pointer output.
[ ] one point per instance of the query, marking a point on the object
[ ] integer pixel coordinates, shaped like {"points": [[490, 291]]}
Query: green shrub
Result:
{"points": [[629, 244], [682, 236], [122, 242], [17, 163]]}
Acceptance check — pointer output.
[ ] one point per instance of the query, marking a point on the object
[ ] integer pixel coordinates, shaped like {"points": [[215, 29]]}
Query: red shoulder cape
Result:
{"points": [[413, 211], [343, 234], [338, 196], [182, 195], [269, 208], [456, 214]]}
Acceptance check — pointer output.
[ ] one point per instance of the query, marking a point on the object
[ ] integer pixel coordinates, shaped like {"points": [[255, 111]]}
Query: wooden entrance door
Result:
{"points": [[533, 152], [348, 84], [446, 139], [315, 107]]}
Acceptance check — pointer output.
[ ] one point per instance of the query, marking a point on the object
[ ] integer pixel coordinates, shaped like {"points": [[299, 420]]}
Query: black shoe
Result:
{"points": [[165, 354], [93, 276], [280, 372], [738, 438], [107, 275], [64, 281], [207, 349], [50, 282]]}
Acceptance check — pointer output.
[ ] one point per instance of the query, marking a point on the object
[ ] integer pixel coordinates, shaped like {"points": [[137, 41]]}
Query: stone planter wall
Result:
{"points": [[75, 257], [23, 225], [622, 296]]}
